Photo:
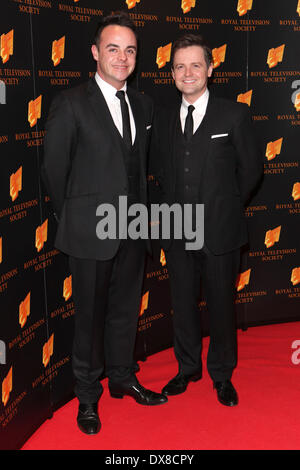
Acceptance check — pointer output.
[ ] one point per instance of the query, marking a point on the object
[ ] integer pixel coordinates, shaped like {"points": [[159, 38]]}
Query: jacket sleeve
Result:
{"points": [[249, 156], [59, 142]]}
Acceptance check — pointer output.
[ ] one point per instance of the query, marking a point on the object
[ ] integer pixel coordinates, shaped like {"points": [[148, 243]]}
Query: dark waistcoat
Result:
{"points": [[189, 166]]}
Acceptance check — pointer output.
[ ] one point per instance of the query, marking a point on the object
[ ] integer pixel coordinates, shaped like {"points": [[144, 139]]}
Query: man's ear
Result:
{"points": [[95, 52]]}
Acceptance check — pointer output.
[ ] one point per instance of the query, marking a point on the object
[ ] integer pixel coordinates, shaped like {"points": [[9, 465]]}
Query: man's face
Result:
{"points": [[116, 54], [190, 72]]}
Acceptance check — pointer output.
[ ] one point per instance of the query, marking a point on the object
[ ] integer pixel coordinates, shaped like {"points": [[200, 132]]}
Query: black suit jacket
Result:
{"points": [[231, 168], [84, 166]]}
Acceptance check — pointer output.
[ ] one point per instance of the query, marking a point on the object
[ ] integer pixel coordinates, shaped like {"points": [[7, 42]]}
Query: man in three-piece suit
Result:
{"points": [[205, 153], [95, 151]]}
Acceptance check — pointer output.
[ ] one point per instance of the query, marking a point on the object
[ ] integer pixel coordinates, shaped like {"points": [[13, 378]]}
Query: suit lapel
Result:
{"points": [[106, 122], [138, 115], [101, 110], [140, 126], [206, 130], [206, 127]]}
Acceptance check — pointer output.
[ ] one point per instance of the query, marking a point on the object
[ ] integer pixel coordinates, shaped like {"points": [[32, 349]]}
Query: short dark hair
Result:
{"points": [[119, 18], [188, 40]]}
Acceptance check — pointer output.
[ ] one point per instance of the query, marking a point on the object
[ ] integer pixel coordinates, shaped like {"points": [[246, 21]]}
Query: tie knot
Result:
{"points": [[191, 109], [121, 95]]}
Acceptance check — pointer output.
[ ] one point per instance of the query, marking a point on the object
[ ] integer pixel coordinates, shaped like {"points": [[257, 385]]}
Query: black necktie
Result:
{"points": [[125, 118], [189, 123]]}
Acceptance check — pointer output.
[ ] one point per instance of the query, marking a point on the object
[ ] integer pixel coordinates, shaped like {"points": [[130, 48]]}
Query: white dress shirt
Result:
{"points": [[199, 111], [114, 104]]}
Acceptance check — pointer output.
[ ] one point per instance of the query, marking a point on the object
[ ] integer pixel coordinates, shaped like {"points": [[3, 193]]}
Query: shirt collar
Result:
{"points": [[108, 90], [200, 104]]}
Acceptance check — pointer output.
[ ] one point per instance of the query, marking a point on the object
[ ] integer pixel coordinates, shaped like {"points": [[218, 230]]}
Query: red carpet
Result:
{"points": [[267, 417]]}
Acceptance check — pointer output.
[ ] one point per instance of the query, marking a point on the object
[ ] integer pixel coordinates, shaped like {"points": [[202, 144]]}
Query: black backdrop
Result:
{"points": [[256, 46]]}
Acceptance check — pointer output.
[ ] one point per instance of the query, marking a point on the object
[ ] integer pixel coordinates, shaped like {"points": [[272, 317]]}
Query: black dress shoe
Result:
{"points": [[88, 420], [226, 393], [138, 392], [179, 383]]}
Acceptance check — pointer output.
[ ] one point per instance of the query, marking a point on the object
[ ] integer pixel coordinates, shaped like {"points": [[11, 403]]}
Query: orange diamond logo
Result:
{"points": [[7, 46], [15, 184], [144, 303], [245, 97], [273, 149], [58, 50], [34, 110], [7, 387], [163, 55], [48, 350], [132, 3], [275, 56], [219, 55], [243, 280], [41, 235], [162, 258], [24, 310], [187, 5], [295, 277], [272, 236], [67, 290], [243, 6], [296, 191]]}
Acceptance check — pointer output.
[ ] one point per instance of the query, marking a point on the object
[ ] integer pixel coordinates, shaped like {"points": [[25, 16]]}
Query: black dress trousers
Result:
{"points": [[187, 269], [107, 296]]}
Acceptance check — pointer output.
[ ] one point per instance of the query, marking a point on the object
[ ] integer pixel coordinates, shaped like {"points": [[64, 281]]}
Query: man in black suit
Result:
{"points": [[205, 153], [95, 151]]}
